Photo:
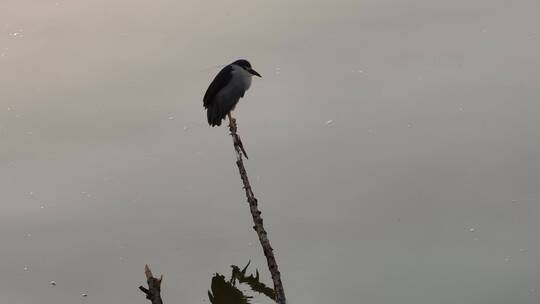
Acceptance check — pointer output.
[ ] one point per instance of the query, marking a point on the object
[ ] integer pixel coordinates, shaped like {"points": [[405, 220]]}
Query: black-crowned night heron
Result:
{"points": [[226, 89]]}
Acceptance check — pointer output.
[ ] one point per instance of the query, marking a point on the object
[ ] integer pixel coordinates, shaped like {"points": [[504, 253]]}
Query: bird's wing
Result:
{"points": [[221, 80]]}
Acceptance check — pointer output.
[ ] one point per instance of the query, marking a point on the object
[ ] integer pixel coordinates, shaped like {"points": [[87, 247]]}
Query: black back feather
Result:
{"points": [[220, 81]]}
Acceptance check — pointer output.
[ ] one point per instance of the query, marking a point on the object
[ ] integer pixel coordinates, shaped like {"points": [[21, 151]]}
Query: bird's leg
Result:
{"points": [[232, 121]]}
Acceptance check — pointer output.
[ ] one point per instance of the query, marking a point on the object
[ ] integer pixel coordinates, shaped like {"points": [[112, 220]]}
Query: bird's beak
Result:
{"points": [[253, 72]]}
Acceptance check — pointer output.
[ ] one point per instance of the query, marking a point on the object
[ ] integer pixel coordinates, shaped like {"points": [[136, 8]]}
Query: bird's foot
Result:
{"points": [[232, 123]]}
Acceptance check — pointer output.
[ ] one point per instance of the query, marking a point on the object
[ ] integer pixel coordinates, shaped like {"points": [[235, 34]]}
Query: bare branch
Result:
{"points": [[148, 272], [153, 292], [256, 215]]}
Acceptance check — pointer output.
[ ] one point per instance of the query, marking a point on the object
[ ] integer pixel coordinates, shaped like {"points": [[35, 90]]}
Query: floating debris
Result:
{"points": [[329, 122], [53, 283]]}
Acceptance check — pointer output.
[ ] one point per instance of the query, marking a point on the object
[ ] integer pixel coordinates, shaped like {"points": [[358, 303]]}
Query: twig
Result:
{"points": [[256, 214], [153, 293]]}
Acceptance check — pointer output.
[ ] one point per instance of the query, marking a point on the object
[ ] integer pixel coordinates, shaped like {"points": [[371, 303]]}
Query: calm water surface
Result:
{"points": [[393, 147]]}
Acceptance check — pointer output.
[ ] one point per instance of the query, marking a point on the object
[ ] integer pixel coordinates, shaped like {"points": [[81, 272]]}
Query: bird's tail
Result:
{"points": [[214, 116]]}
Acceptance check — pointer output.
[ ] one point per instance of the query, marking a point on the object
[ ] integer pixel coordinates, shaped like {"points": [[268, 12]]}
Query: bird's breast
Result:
{"points": [[237, 86], [241, 78], [246, 82]]}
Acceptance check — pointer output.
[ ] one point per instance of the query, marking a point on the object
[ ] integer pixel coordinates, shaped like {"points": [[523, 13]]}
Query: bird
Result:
{"points": [[224, 92]]}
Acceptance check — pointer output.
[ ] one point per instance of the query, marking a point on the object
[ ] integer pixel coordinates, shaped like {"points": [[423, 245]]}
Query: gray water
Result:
{"points": [[393, 148]]}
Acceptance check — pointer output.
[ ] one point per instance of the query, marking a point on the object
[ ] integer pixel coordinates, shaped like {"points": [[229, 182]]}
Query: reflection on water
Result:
{"points": [[224, 291]]}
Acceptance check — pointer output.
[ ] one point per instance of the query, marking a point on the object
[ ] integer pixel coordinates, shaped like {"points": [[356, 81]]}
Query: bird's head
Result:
{"points": [[244, 64]]}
